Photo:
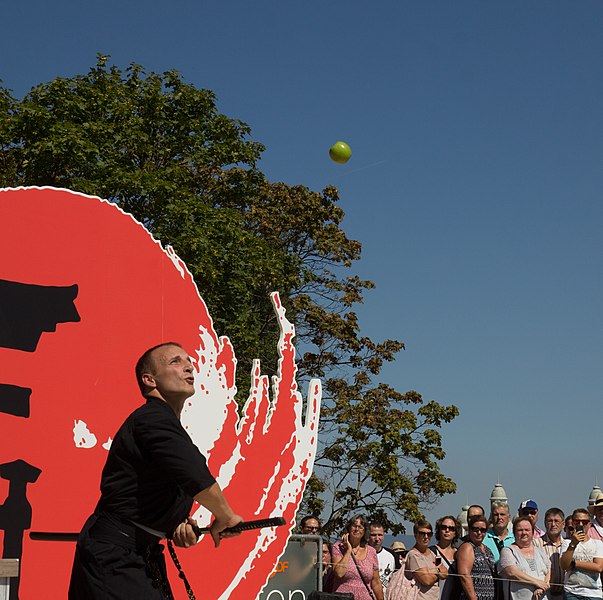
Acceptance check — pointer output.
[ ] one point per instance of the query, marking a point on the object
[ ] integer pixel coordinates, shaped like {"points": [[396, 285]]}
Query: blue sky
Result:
{"points": [[474, 187]]}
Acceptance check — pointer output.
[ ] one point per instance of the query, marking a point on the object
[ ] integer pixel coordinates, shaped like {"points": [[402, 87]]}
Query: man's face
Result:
{"points": [[172, 375], [569, 527], [310, 527], [599, 515], [581, 520], [553, 525], [531, 513], [500, 519], [376, 538], [474, 511]]}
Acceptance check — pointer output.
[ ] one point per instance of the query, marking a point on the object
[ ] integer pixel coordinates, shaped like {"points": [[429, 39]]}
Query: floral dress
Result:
{"points": [[351, 581]]}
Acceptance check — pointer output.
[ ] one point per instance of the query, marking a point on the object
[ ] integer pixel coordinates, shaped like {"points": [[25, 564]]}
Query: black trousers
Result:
{"points": [[115, 560]]}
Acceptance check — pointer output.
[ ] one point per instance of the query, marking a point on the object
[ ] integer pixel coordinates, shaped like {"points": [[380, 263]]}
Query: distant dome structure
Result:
{"points": [[498, 494], [596, 491], [462, 518]]}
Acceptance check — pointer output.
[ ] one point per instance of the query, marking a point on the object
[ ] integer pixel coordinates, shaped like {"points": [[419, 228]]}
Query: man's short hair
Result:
{"points": [[477, 506], [580, 511], [554, 512], [477, 519], [376, 524], [500, 504], [146, 364], [303, 522]]}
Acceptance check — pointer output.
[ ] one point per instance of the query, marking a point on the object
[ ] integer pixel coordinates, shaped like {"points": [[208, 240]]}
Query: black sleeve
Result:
{"points": [[164, 441]]}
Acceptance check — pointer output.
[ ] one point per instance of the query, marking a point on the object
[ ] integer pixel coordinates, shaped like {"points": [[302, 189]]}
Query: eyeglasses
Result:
{"points": [[427, 533], [447, 528], [570, 529], [581, 521], [359, 527], [481, 530], [554, 521]]}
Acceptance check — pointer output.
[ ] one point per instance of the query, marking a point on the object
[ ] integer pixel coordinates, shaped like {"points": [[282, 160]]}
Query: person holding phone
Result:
{"points": [[582, 560], [447, 533], [355, 563], [422, 564]]}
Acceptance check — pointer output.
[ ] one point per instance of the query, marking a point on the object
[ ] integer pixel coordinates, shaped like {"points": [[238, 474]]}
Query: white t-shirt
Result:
{"points": [[582, 583], [387, 566]]}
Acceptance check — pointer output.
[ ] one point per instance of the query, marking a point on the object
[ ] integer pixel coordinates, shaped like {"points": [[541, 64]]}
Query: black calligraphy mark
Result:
{"points": [[15, 513], [14, 400], [27, 311]]}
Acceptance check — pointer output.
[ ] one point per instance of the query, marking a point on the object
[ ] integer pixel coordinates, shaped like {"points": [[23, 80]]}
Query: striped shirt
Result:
{"points": [[553, 551]]}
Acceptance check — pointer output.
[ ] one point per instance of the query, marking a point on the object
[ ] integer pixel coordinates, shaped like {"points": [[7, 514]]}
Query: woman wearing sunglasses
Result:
{"points": [[421, 564], [475, 563], [447, 532], [527, 567]]}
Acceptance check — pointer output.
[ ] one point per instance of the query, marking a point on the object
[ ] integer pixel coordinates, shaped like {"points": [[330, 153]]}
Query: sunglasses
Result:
{"points": [[427, 533], [528, 511], [581, 521], [447, 528], [479, 529]]}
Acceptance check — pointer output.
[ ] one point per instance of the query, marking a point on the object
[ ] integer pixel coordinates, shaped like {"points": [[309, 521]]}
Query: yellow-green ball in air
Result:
{"points": [[340, 152]]}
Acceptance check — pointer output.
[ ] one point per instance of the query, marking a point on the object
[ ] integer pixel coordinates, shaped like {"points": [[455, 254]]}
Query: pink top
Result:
{"points": [[351, 581], [595, 531]]}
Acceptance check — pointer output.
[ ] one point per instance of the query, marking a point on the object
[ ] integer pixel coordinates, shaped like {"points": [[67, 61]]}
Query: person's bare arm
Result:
{"points": [[340, 564], [464, 560], [213, 499], [516, 574], [425, 576], [376, 585]]}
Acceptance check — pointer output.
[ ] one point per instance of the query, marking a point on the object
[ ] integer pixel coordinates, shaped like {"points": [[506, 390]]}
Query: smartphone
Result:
{"points": [[579, 529], [438, 561]]}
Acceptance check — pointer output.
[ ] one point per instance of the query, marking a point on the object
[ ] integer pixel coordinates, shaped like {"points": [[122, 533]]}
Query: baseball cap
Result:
{"points": [[528, 504]]}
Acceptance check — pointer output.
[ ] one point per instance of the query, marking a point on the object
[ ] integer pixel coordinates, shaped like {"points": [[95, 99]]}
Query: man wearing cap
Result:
{"points": [[388, 561], [529, 509], [596, 509]]}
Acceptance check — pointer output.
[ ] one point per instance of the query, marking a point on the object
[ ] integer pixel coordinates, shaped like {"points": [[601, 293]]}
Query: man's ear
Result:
{"points": [[148, 380]]}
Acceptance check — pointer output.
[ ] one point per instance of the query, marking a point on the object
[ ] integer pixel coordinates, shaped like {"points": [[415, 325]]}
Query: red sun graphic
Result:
{"points": [[84, 290]]}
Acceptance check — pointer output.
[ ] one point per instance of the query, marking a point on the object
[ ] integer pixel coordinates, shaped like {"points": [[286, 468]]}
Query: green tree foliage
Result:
{"points": [[158, 148]]}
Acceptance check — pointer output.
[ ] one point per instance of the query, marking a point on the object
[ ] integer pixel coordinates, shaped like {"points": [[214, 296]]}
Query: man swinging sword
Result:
{"points": [[153, 473]]}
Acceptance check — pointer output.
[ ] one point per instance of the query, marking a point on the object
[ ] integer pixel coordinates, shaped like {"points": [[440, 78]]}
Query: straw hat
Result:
{"points": [[399, 546], [596, 504]]}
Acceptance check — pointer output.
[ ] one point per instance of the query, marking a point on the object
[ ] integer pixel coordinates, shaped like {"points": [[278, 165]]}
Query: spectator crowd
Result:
{"points": [[496, 558]]}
